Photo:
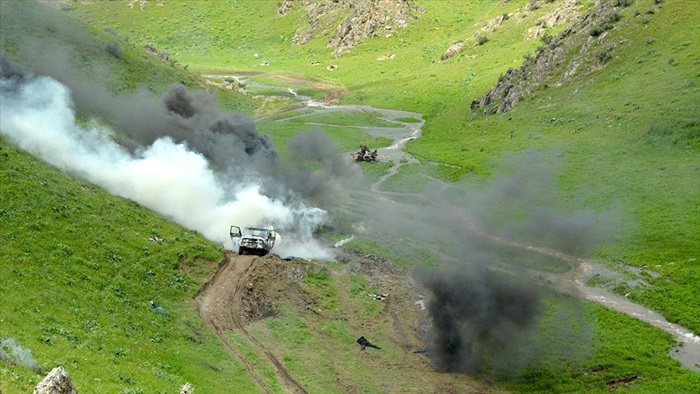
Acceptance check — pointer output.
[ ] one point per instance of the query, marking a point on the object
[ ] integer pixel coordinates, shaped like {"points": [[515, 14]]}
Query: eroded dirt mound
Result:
{"points": [[246, 288], [359, 294]]}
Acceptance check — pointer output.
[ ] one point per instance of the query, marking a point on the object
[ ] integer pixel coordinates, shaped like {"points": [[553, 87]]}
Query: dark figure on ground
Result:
{"points": [[158, 309], [365, 343]]}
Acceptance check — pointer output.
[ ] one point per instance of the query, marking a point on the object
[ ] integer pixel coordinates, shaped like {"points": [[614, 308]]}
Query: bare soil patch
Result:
{"points": [[243, 290]]}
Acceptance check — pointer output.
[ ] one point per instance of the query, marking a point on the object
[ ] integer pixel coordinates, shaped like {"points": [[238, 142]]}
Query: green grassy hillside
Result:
{"points": [[629, 128], [78, 270]]}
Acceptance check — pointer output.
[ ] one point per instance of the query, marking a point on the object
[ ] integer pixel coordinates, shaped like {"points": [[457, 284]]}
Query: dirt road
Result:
{"points": [[221, 305]]}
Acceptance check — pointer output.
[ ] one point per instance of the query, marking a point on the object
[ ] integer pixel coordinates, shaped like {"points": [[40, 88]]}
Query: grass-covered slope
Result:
{"points": [[626, 122], [78, 266], [52, 42], [78, 270]]}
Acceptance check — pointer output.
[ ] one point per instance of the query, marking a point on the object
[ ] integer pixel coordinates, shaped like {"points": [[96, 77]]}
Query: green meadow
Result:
{"points": [[78, 269]]}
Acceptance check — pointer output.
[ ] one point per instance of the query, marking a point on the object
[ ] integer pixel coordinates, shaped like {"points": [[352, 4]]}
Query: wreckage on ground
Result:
{"points": [[364, 154], [257, 240]]}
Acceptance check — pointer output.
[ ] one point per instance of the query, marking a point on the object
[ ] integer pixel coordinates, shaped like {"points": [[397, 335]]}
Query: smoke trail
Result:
{"points": [[21, 355], [167, 177]]}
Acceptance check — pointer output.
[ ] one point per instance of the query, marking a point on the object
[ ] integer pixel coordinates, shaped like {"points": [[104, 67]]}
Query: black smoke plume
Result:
{"points": [[56, 46], [178, 154], [12, 73], [484, 292], [479, 317]]}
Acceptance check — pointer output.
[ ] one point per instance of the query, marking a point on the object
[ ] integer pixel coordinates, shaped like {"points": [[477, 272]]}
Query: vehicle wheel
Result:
{"points": [[241, 251]]}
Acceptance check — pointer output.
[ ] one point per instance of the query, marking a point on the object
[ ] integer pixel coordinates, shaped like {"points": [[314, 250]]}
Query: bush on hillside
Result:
{"points": [[114, 50], [622, 3]]}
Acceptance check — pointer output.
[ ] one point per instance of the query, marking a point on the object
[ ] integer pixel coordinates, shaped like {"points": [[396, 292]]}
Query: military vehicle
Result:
{"points": [[256, 240]]}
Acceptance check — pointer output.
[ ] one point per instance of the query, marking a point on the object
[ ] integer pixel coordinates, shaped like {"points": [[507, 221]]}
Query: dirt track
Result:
{"points": [[221, 306]]}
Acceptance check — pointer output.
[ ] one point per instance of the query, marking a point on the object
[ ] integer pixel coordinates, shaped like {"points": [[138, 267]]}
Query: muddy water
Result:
{"points": [[572, 282]]}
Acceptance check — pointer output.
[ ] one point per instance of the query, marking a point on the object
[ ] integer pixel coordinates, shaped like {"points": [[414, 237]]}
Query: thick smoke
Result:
{"points": [[485, 298], [478, 316], [229, 141], [315, 160], [165, 174]]}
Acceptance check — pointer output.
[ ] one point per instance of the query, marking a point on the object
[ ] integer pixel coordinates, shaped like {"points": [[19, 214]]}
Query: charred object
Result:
{"points": [[364, 343], [364, 154]]}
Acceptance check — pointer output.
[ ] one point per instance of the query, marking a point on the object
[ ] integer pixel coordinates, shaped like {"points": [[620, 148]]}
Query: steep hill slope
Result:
{"points": [[623, 129]]}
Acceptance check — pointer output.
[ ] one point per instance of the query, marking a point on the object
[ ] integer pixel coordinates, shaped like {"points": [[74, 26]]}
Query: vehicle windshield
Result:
{"points": [[255, 231]]}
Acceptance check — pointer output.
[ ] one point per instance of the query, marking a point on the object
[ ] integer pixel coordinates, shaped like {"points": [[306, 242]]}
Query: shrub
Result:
{"points": [[481, 40], [604, 56], [622, 3], [546, 38], [608, 21], [596, 31], [114, 50]]}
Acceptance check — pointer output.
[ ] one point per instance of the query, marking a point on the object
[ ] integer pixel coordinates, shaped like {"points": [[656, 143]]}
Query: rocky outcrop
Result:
{"points": [[349, 22], [452, 50], [553, 63], [56, 382], [566, 13]]}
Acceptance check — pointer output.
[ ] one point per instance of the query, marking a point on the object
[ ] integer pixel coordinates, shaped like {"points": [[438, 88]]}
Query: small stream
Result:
{"points": [[571, 282]]}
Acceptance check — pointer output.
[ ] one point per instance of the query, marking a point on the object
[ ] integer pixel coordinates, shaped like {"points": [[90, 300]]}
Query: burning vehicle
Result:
{"points": [[364, 154], [256, 240]]}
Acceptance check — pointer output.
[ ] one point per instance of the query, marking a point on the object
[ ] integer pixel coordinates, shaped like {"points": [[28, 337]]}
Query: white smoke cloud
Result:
{"points": [[167, 177], [22, 355]]}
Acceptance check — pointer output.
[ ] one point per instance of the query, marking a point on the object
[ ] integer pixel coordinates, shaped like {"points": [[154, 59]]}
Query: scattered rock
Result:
{"points": [[162, 55], [264, 63], [566, 13], [56, 382], [143, 3], [492, 24], [452, 50], [388, 56], [331, 67]]}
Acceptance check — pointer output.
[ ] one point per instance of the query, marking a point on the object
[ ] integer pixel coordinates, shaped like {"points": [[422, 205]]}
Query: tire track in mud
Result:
{"points": [[204, 297], [220, 306]]}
